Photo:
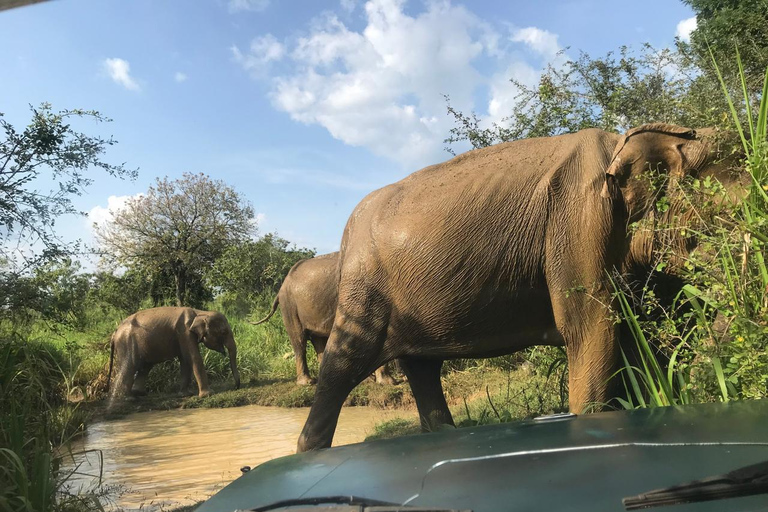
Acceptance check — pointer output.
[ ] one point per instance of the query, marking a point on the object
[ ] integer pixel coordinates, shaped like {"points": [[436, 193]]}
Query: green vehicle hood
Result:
{"points": [[584, 463]]}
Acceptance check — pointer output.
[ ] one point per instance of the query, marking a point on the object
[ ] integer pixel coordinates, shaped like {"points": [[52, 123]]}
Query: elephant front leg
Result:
{"points": [[186, 376], [424, 379], [352, 355], [198, 369], [591, 339]]}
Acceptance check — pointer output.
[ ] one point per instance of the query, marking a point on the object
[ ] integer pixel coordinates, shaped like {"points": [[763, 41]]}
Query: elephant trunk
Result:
{"points": [[232, 350]]}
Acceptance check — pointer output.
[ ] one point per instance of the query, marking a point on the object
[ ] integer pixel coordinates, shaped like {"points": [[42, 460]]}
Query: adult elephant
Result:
{"points": [[494, 251], [160, 334], [307, 300]]}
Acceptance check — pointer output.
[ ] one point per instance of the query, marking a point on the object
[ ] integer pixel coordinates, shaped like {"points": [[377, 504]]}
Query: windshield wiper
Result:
{"points": [[361, 504], [746, 481]]}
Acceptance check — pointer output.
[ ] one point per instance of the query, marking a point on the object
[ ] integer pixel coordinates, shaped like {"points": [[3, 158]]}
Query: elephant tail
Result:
{"points": [[272, 312], [111, 359]]}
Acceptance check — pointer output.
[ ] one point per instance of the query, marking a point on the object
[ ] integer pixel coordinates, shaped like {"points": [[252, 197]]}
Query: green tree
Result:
{"points": [[181, 226], [47, 153], [614, 93], [724, 25], [253, 269]]}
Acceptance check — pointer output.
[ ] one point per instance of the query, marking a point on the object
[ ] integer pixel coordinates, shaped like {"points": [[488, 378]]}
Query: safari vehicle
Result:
{"points": [[707, 457]]}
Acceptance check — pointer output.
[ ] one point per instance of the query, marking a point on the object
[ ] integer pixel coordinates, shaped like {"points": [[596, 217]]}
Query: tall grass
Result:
{"points": [[721, 313], [34, 420]]}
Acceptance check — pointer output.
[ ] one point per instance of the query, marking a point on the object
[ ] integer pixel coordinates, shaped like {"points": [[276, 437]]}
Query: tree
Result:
{"points": [[246, 271], [614, 93], [48, 149], [723, 26], [180, 226]]}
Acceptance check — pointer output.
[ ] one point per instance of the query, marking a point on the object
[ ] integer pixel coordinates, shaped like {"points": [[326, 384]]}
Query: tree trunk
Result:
{"points": [[180, 273]]}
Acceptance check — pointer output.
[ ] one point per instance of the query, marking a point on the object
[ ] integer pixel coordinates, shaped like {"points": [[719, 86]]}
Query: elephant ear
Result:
{"points": [[620, 159], [199, 327]]}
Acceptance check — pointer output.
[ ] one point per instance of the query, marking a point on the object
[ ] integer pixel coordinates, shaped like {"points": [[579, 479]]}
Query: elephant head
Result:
{"points": [[214, 331], [649, 163]]}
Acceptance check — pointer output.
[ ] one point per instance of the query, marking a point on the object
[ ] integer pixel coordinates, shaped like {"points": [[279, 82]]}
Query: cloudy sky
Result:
{"points": [[304, 106]]}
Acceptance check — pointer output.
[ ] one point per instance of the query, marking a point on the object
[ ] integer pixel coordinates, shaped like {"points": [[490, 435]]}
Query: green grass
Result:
{"points": [[715, 333]]}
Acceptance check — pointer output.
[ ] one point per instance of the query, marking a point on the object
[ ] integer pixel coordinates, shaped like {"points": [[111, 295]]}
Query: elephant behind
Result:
{"points": [[307, 300], [155, 335], [494, 251]]}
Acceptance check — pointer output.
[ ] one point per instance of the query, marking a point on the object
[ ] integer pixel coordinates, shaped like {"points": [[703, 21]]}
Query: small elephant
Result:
{"points": [[496, 250], [160, 334], [307, 300]]}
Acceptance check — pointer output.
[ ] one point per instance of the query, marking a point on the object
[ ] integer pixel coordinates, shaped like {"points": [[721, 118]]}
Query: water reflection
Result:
{"points": [[173, 458]]}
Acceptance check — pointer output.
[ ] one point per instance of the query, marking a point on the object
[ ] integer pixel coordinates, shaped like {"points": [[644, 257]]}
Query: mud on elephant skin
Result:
{"points": [[155, 335], [307, 300], [494, 251]]}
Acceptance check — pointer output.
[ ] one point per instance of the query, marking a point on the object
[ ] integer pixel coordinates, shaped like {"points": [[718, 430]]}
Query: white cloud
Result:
{"points": [[541, 41], [247, 5], [180, 77], [99, 214], [119, 71], [381, 87], [262, 52], [348, 5], [685, 27], [503, 92]]}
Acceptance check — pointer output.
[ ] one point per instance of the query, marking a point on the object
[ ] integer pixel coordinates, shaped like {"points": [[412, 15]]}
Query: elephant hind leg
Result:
{"points": [[124, 372], [424, 378], [140, 382], [298, 338]]}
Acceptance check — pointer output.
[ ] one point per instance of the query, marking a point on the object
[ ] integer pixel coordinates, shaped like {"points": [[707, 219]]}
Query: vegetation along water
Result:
{"points": [[699, 336]]}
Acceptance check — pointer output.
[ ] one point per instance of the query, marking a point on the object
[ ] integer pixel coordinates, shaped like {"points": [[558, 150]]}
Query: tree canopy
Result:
{"points": [[179, 226], [253, 269], [725, 25], [46, 153]]}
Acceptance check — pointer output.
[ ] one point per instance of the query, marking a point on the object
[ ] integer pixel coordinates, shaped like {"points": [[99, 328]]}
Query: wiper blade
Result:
{"points": [[746, 481], [361, 504]]}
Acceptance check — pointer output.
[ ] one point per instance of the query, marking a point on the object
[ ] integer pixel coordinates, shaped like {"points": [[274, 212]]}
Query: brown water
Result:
{"points": [[172, 458]]}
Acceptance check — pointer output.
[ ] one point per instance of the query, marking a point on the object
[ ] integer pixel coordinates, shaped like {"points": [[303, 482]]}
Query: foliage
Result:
{"points": [[47, 152], [254, 269], [722, 27], [613, 93], [180, 226], [32, 421], [720, 313]]}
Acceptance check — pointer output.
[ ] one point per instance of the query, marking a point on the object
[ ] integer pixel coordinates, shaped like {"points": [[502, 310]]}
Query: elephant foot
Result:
{"points": [[204, 393], [305, 381]]}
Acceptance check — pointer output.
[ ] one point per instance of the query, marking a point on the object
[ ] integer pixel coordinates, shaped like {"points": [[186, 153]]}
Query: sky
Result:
{"points": [[303, 106]]}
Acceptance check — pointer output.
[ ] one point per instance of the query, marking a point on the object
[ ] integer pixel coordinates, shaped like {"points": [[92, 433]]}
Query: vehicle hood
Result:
{"points": [[587, 462]]}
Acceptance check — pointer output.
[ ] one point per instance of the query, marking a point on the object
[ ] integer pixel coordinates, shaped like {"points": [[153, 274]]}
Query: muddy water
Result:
{"points": [[170, 458]]}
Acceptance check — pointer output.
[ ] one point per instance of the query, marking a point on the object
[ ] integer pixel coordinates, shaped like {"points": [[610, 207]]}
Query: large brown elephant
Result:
{"points": [[494, 251], [307, 300], [160, 334]]}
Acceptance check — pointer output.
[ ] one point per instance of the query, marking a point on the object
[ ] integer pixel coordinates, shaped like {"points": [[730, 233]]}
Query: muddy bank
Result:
{"points": [[269, 393]]}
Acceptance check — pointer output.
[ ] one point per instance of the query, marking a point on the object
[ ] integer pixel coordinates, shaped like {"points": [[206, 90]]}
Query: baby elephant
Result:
{"points": [[155, 335]]}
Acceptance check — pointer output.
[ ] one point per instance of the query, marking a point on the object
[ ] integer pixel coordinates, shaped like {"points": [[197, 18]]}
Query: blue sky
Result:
{"points": [[303, 106]]}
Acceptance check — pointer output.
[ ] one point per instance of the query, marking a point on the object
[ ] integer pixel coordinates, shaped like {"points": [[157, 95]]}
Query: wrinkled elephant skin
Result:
{"points": [[161, 334], [307, 300], [491, 252]]}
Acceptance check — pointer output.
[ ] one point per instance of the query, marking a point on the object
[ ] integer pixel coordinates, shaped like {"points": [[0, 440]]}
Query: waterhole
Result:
{"points": [[165, 459]]}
